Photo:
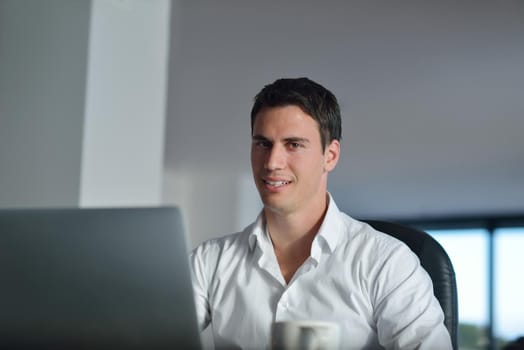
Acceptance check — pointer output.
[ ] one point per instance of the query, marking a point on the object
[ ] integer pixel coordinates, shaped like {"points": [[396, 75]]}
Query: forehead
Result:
{"points": [[284, 119]]}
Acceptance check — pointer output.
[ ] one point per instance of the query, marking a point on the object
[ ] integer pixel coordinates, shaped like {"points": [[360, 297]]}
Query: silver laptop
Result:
{"points": [[95, 279]]}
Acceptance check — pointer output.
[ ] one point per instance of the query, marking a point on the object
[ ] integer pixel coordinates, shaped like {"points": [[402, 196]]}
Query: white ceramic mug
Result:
{"points": [[305, 335]]}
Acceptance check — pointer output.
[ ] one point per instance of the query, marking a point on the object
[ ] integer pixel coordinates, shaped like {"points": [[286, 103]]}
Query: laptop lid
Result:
{"points": [[95, 278]]}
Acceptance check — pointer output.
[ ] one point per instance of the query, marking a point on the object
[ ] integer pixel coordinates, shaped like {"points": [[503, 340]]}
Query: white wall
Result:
{"points": [[213, 203]]}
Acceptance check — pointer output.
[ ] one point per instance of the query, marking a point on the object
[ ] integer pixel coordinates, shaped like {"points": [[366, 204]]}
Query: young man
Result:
{"points": [[302, 258]]}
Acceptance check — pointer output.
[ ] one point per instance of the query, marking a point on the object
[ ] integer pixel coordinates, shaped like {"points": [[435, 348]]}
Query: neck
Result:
{"points": [[292, 235], [295, 229]]}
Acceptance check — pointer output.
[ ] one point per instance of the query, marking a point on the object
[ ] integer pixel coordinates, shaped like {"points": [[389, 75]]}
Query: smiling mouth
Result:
{"points": [[276, 183]]}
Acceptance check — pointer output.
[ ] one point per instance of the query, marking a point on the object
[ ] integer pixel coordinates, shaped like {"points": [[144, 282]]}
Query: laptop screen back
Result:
{"points": [[95, 278]]}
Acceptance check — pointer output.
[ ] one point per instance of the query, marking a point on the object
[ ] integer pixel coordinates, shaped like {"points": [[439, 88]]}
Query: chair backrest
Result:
{"points": [[436, 262]]}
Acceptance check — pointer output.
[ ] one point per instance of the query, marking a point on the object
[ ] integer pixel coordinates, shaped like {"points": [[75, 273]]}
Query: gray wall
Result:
{"points": [[82, 102], [432, 96], [43, 55]]}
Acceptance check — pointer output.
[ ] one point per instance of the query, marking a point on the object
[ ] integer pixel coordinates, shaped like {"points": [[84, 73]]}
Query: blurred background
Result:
{"points": [[146, 102]]}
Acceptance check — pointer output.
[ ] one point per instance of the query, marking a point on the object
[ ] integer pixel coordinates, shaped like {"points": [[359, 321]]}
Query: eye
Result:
{"points": [[263, 144], [294, 145]]}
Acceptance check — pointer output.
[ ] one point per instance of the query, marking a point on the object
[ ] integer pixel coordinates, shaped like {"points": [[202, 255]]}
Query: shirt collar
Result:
{"points": [[258, 231], [330, 231]]}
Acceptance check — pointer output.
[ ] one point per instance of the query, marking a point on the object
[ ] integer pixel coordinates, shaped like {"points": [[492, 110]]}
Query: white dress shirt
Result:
{"points": [[370, 283]]}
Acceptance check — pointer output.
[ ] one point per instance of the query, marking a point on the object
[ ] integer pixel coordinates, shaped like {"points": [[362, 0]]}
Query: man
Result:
{"points": [[302, 258]]}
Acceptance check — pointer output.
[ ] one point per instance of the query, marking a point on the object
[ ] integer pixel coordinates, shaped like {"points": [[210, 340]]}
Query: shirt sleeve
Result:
{"points": [[200, 286], [407, 314]]}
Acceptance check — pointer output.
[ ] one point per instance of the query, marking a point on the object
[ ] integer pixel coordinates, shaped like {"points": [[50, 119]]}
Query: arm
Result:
{"points": [[407, 314], [200, 286]]}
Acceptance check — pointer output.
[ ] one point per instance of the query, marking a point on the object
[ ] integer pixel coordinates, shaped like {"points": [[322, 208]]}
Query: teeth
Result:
{"points": [[277, 183]]}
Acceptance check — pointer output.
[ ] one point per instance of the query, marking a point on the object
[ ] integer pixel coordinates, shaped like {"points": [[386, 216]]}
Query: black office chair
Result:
{"points": [[436, 262]]}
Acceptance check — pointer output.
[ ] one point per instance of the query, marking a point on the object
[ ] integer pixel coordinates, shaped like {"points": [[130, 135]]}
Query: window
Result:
{"points": [[488, 257], [468, 251], [509, 283]]}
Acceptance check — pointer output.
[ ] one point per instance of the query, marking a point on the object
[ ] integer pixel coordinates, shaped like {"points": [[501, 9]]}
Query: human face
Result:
{"points": [[288, 163]]}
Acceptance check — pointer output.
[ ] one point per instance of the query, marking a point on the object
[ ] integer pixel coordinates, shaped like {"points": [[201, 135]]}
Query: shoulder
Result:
{"points": [[347, 232], [362, 234], [218, 245], [214, 256], [225, 247], [374, 252]]}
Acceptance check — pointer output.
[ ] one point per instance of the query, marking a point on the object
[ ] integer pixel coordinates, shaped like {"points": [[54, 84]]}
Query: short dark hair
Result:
{"points": [[314, 99]]}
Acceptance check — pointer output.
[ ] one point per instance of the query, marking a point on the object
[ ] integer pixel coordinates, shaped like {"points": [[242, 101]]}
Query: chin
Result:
{"points": [[276, 206]]}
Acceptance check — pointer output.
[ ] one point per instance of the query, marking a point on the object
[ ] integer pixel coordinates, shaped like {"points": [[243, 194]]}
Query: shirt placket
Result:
{"points": [[284, 307]]}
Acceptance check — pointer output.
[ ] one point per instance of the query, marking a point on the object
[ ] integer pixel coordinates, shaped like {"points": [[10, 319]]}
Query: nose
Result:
{"points": [[276, 158]]}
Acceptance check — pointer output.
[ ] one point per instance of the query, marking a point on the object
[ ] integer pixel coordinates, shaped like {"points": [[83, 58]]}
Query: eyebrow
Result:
{"points": [[296, 139], [287, 139], [259, 138]]}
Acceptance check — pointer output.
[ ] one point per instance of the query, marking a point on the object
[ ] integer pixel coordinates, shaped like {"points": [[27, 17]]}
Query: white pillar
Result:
{"points": [[123, 144]]}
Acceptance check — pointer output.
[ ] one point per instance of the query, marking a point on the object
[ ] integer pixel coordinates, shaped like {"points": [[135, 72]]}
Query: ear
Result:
{"points": [[331, 155]]}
